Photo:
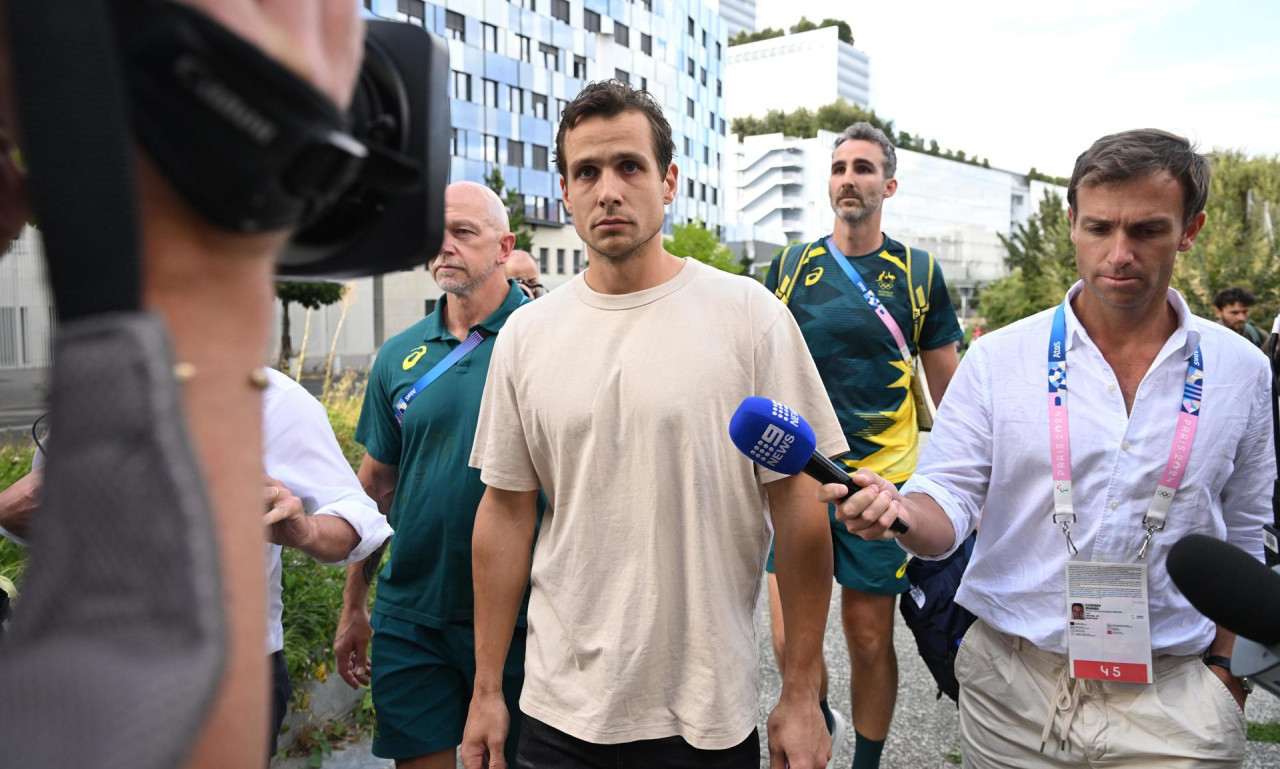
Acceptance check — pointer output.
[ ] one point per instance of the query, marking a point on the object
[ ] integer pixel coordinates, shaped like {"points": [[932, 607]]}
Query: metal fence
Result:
{"points": [[27, 315]]}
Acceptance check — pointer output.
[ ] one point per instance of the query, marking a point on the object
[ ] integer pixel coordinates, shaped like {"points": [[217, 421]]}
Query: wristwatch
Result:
{"points": [[1217, 660]]}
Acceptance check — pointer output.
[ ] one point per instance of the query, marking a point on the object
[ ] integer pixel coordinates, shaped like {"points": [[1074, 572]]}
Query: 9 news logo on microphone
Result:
{"points": [[774, 442]]}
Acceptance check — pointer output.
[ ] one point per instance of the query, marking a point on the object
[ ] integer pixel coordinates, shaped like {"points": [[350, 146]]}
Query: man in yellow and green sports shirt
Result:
{"points": [[833, 286]]}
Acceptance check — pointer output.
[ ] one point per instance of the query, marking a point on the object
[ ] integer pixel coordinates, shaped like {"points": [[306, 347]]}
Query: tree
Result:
{"points": [[310, 294], [751, 37], [845, 32], [515, 208], [804, 25], [695, 240]]}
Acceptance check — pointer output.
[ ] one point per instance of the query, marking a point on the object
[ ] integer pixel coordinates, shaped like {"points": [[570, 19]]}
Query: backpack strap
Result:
{"points": [[920, 288], [787, 283]]}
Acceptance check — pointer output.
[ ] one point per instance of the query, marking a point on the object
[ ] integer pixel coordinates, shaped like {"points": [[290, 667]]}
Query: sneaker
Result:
{"points": [[838, 730]]}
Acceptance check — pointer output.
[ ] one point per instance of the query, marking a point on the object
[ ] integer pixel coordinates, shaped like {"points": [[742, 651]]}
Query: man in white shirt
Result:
{"points": [[1087, 513]]}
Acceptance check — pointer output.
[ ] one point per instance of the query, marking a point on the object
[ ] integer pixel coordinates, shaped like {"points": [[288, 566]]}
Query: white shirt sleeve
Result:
{"points": [[1246, 496], [302, 453], [955, 465]]}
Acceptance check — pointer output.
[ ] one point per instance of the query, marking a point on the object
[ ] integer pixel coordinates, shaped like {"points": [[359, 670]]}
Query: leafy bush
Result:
{"points": [[15, 462]]}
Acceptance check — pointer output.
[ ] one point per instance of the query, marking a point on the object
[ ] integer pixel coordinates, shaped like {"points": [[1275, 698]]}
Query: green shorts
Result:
{"points": [[878, 567], [422, 678]]}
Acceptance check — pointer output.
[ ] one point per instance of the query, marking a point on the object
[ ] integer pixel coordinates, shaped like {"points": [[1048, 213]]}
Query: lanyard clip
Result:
{"points": [[1146, 541], [1071, 546]]}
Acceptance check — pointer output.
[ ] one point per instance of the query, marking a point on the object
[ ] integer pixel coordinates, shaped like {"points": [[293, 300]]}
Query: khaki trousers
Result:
{"points": [[1187, 718]]}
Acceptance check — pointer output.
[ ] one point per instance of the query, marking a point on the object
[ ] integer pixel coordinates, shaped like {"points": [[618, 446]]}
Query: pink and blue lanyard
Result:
{"points": [[1060, 438]]}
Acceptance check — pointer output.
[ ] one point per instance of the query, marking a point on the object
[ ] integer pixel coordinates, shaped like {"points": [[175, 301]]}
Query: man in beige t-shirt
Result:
{"points": [[614, 395]]}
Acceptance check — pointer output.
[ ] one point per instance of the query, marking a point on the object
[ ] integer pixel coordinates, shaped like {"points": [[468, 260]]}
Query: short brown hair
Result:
{"points": [[609, 98], [1142, 152]]}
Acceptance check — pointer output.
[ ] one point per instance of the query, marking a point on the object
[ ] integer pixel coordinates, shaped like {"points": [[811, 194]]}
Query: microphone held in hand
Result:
{"points": [[1227, 585], [776, 437]]}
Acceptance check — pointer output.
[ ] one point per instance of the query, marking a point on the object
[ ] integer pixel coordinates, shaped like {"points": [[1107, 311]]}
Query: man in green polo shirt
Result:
{"points": [[864, 358], [416, 470]]}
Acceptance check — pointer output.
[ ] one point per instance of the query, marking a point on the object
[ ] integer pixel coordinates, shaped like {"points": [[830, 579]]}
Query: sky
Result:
{"points": [[1034, 83]]}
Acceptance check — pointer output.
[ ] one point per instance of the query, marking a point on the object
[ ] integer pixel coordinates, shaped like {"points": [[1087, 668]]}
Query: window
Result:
{"points": [[515, 153], [461, 86], [690, 26], [644, 83], [530, 5], [690, 67], [722, 126], [560, 10], [706, 155], [560, 105], [646, 43], [490, 35], [412, 11], [539, 157], [515, 100], [544, 259], [579, 70], [490, 92], [712, 120], [455, 26], [622, 75], [713, 197], [559, 261], [718, 163], [703, 189], [719, 87], [453, 142], [690, 188], [526, 48], [491, 150], [577, 261], [550, 56], [539, 106], [704, 38], [689, 107], [591, 21], [622, 35], [688, 147], [717, 52], [648, 5], [702, 73]]}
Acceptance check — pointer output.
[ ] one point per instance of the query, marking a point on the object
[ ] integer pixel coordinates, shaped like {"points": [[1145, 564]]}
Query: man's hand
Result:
{"points": [[351, 646], [1232, 683], [321, 41], [871, 510], [485, 736], [18, 502], [798, 736], [286, 520]]}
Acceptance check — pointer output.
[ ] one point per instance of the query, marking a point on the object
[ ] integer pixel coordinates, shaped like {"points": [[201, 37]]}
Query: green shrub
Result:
{"points": [[15, 462]]}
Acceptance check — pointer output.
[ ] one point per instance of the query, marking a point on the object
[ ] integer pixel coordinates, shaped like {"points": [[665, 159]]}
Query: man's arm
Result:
{"points": [[326, 538], [351, 642], [500, 553], [939, 366], [19, 501], [802, 551], [877, 504]]}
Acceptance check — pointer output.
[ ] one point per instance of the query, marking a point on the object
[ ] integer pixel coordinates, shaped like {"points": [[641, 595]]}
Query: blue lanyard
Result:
{"points": [[1060, 437], [456, 354]]}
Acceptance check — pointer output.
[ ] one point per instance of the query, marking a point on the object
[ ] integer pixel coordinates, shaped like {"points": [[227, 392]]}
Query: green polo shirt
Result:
{"points": [[427, 579], [857, 357]]}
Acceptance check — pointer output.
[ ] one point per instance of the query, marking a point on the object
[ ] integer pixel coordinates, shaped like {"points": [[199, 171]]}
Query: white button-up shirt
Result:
{"points": [[988, 459], [300, 451]]}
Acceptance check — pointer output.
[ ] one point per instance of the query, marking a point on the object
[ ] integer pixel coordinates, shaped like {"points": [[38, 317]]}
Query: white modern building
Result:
{"points": [[806, 69], [778, 187], [738, 15]]}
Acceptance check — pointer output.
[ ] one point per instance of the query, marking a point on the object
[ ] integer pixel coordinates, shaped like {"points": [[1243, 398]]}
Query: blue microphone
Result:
{"points": [[776, 437]]}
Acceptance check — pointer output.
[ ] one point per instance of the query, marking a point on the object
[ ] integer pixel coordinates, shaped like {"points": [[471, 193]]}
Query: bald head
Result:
{"points": [[481, 201], [521, 266]]}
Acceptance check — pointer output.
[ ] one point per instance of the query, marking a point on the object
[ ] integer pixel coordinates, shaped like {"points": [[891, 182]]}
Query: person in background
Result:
{"points": [[1231, 306], [523, 269]]}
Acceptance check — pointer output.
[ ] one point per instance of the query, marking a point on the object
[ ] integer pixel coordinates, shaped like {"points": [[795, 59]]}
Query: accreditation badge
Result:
{"points": [[1108, 622]]}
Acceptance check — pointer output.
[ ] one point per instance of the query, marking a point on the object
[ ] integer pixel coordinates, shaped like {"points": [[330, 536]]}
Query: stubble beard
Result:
{"points": [[466, 284], [624, 253]]}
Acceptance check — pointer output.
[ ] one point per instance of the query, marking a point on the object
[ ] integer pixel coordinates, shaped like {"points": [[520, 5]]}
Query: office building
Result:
{"points": [[806, 69]]}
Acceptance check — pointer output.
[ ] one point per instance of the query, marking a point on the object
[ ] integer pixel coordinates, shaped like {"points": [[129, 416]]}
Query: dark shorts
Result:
{"points": [[422, 678], [878, 567], [545, 747]]}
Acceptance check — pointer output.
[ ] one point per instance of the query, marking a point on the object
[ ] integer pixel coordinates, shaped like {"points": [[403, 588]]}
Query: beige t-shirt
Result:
{"points": [[645, 577]]}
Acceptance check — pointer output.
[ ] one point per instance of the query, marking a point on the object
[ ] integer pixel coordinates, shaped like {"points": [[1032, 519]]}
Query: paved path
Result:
{"points": [[924, 728]]}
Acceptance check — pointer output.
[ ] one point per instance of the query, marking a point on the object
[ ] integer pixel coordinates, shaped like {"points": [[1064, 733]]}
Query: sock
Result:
{"points": [[866, 753], [826, 716]]}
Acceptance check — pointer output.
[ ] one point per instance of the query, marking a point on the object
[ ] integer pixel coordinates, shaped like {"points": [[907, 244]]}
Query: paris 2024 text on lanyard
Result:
{"points": [[1108, 618]]}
